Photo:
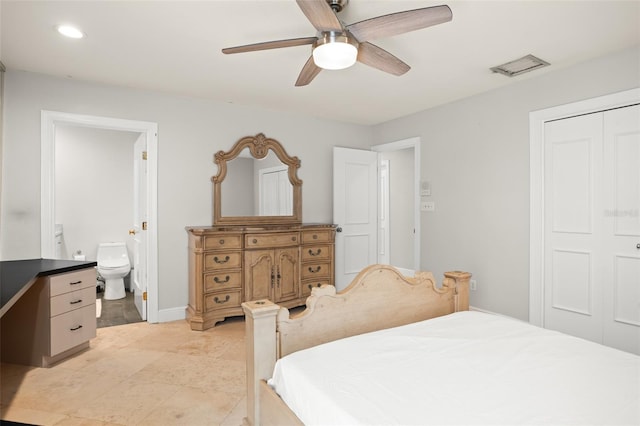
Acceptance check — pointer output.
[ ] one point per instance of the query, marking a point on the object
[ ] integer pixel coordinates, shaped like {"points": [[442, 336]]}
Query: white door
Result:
{"points": [[621, 233], [140, 217], [383, 213], [592, 204], [355, 206], [275, 192]]}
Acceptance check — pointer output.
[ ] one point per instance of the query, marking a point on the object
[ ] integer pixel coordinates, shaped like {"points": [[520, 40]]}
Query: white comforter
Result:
{"points": [[465, 368]]}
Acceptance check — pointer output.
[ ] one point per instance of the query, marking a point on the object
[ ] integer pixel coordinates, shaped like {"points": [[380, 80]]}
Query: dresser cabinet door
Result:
{"points": [[259, 275], [287, 274]]}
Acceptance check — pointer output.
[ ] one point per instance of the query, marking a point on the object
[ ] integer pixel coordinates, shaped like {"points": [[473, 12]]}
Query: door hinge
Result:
{"points": [[144, 226], [144, 296], [144, 155]]}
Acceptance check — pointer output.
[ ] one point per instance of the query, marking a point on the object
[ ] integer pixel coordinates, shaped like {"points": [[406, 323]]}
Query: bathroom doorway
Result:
{"points": [[105, 154]]}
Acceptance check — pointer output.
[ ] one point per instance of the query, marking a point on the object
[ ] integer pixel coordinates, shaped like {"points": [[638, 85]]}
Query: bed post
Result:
{"points": [[260, 326], [461, 285]]}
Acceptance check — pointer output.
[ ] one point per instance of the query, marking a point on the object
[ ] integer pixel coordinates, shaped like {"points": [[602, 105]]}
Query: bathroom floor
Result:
{"points": [[136, 374], [117, 312]]}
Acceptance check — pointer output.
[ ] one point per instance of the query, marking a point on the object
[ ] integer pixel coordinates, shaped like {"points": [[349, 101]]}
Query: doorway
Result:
{"points": [[377, 210], [144, 189]]}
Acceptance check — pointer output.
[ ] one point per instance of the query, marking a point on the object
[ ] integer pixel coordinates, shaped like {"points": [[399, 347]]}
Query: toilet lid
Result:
{"points": [[113, 263]]}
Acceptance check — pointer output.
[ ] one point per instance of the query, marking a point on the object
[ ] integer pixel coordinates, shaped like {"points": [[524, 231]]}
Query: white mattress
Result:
{"points": [[464, 368]]}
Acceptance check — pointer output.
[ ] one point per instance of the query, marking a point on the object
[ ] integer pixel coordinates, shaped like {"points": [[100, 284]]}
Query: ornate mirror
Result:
{"points": [[256, 184]]}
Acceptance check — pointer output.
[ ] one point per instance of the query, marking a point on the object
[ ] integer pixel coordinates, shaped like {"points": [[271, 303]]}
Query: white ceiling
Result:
{"points": [[174, 47]]}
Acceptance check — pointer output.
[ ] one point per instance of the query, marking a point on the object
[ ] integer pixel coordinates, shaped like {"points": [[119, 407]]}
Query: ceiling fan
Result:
{"points": [[339, 46]]}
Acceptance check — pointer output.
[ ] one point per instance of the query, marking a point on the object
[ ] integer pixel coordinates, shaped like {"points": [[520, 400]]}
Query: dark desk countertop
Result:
{"points": [[17, 275]]}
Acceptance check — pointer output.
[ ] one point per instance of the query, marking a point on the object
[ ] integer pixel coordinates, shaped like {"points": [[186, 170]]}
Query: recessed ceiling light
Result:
{"points": [[70, 31]]}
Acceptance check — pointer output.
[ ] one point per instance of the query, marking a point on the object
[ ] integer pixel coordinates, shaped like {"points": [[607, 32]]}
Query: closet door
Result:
{"points": [[574, 283], [621, 233], [592, 227]]}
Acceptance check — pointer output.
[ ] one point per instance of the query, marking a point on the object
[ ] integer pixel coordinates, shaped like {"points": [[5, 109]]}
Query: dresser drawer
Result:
{"points": [[282, 239], [222, 280], [317, 236], [315, 253], [71, 281], [316, 270], [223, 260], [307, 286], [73, 300], [72, 328], [222, 300], [217, 242]]}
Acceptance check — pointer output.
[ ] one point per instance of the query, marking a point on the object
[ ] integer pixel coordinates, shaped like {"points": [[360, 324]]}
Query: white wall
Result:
{"points": [[190, 132], [475, 153], [93, 187]]}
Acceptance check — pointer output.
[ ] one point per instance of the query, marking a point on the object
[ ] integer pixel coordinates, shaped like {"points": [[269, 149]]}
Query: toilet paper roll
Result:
{"points": [[79, 257]]}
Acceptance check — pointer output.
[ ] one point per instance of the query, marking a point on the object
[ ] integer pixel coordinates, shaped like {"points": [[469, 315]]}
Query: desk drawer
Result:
{"points": [[72, 281], [73, 300], [72, 328], [224, 260], [281, 239]]}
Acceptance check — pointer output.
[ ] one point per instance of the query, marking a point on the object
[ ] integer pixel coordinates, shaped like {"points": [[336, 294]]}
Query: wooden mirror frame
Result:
{"points": [[259, 147]]}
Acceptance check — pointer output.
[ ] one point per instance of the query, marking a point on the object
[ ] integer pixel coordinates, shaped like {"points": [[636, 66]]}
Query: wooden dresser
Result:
{"points": [[232, 264]]}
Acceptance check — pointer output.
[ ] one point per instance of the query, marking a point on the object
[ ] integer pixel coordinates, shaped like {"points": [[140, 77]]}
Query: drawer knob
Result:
{"points": [[311, 285], [219, 281], [226, 299], [225, 260], [255, 241], [313, 271], [293, 238], [315, 237], [78, 327], [75, 301], [76, 282], [221, 242], [316, 253]]}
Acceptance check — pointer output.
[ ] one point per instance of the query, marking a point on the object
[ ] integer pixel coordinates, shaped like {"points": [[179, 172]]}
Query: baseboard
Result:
{"points": [[172, 314]]}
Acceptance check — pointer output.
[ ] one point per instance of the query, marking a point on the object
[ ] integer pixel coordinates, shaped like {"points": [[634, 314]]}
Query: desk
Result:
{"points": [[47, 311]]}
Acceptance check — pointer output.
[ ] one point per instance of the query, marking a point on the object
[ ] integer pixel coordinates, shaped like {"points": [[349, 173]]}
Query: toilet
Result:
{"points": [[113, 266]]}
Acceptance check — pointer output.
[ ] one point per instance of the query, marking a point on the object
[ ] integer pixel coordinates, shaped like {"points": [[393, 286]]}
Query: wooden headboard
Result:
{"points": [[379, 297]]}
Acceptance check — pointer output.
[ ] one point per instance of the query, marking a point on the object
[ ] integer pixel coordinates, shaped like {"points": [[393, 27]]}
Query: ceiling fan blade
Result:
{"points": [[270, 45], [320, 14], [399, 23], [374, 56], [309, 71]]}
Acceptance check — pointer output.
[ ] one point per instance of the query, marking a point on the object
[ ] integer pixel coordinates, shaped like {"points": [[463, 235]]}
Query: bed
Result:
{"points": [[390, 349]]}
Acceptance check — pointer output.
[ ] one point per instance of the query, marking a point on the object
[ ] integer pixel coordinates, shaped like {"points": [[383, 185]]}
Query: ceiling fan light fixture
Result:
{"points": [[335, 52]]}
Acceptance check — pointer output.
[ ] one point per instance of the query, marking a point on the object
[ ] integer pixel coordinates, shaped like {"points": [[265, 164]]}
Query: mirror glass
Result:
{"points": [[256, 187]]}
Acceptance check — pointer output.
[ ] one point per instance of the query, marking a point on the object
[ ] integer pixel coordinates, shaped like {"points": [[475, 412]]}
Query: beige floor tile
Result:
{"points": [[31, 416], [192, 407], [127, 403], [162, 374]]}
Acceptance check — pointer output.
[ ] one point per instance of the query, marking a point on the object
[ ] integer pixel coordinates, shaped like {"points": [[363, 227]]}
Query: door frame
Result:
{"points": [[537, 120], [414, 143], [49, 119]]}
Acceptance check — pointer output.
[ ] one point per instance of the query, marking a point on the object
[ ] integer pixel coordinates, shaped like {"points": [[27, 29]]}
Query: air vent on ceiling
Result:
{"points": [[520, 66]]}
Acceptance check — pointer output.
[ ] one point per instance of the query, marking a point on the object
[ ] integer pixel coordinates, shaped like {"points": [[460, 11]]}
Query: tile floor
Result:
{"points": [[136, 374], [117, 312]]}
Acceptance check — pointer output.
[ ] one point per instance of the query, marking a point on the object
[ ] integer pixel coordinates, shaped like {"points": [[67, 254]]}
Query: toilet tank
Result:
{"points": [[112, 252]]}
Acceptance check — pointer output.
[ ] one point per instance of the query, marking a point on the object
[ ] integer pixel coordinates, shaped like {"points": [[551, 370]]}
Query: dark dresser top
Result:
{"points": [[16, 276]]}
